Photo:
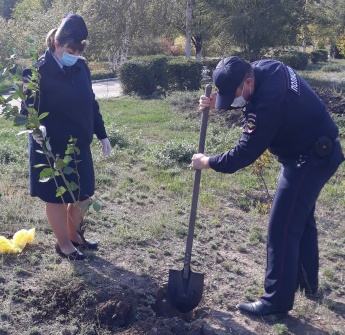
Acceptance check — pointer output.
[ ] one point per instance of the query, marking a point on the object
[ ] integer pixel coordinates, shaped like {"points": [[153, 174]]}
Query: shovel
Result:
{"points": [[185, 287]]}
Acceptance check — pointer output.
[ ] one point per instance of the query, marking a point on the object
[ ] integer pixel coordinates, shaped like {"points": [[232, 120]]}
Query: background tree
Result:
{"points": [[256, 25], [6, 8]]}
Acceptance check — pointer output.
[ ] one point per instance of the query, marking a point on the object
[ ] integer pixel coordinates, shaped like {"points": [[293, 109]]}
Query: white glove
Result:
{"points": [[40, 138], [106, 147]]}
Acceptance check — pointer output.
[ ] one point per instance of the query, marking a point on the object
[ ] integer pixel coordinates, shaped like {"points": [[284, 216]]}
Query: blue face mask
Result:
{"points": [[68, 59]]}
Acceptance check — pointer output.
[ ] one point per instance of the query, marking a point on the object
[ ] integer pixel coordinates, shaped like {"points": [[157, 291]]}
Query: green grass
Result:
{"points": [[145, 190], [318, 76]]}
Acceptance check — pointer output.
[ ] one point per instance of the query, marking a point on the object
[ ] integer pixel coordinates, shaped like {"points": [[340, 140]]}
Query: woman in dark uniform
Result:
{"points": [[65, 92]]}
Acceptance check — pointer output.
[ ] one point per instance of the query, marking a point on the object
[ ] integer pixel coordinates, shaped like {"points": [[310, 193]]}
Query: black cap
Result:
{"points": [[72, 27], [227, 76]]}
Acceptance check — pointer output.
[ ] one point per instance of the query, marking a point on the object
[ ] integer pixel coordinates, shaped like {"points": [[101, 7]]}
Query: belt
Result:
{"points": [[322, 148]]}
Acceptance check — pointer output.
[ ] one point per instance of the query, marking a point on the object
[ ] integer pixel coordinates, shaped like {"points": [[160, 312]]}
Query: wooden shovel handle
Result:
{"points": [[196, 187]]}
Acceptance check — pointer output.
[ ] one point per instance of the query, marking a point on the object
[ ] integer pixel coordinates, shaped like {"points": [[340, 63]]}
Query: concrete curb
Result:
{"points": [[101, 80]]}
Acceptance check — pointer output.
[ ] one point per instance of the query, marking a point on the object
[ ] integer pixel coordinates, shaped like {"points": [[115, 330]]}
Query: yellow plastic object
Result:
{"points": [[18, 242]]}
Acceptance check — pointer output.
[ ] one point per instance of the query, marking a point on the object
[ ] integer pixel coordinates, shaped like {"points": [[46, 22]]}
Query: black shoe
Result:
{"points": [[258, 308], [73, 256], [89, 245]]}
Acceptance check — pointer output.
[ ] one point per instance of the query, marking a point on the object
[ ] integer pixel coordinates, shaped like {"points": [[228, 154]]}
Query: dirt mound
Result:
{"points": [[333, 100]]}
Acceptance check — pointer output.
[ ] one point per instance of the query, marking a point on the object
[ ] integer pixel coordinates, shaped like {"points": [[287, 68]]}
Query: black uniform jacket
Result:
{"points": [[66, 94], [284, 115]]}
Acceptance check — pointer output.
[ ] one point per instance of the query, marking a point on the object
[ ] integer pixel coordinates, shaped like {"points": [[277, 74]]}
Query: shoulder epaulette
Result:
{"points": [[40, 62]]}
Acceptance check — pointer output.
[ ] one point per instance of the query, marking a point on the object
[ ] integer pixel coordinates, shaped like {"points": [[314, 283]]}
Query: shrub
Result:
{"points": [[324, 54], [211, 63], [144, 75], [104, 75], [184, 74], [296, 59], [315, 56]]}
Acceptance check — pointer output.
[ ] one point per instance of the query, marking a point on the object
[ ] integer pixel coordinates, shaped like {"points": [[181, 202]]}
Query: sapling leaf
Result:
{"points": [[20, 120], [60, 191], [69, 150], [59, 163], [85, 207], [47, 172], [31, 86], [43, 115], [67, 159], [47, 146], [67, 170], [73, 186], [96, 206]]}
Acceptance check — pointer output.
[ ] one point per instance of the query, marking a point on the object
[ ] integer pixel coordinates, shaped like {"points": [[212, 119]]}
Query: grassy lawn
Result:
{"points": [[145, 190]]}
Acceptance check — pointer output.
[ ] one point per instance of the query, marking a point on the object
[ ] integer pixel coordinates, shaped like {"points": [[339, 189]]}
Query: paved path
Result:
{"points": [[107, 89], [103, 89]]}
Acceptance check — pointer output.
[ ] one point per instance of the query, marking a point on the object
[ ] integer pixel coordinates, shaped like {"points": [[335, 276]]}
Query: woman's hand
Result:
{"points": [[106, 147]]}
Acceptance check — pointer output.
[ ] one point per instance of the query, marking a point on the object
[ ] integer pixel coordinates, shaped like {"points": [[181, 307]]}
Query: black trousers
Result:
{"points": [[292, 242]]}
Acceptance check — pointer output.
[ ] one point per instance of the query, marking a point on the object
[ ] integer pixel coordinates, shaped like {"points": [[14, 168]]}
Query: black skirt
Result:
{"points": [[46, 191]]}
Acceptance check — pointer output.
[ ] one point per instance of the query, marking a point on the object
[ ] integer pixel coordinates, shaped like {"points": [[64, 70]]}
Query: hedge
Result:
{"points": [[297, 60], [144, 75], [184, 74], [319, 55], [147, 75]]}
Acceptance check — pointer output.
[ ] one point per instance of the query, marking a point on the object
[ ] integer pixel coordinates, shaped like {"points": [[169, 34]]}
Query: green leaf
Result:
{"points": [[96, 206], [43, 115], [69, 150], [60, 191], [77, 150], [31, 86], [20, 120], [48, 147], [67, 159], [47, 172], [59, 164], [85, 207], [73, 186], [67, 170]]}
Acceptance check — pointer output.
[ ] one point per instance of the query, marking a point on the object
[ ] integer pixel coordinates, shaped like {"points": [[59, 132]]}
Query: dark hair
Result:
{"points": [[249, 73], [70, 43]]}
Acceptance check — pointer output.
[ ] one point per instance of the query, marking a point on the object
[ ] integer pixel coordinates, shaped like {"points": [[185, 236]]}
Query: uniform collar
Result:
{"points": [[56, 67]]}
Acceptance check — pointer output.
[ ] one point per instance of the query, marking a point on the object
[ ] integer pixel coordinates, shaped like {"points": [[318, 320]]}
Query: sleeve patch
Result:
{"points": [[293, 82], [250, 123]]}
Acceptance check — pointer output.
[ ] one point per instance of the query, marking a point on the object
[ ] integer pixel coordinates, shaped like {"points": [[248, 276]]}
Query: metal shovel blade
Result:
{"points": [[185, 294]]}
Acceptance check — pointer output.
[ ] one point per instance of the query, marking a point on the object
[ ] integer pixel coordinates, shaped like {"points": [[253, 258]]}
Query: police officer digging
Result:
{"points": [[284, 115]]}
